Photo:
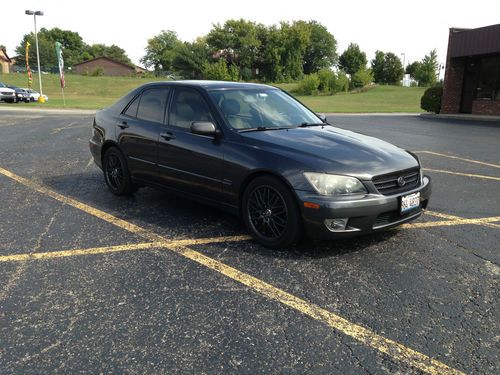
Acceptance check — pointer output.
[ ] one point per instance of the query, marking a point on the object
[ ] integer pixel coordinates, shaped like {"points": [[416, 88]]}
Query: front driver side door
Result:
{"points": [[190, 162]]}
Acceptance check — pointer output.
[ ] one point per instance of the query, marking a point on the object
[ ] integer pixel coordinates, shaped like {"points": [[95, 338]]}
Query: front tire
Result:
{"points": [[116, 173], [270, 212]]}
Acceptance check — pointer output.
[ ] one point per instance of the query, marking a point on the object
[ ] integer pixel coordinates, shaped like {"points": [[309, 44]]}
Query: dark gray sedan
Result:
{"points": [[255, 151]]}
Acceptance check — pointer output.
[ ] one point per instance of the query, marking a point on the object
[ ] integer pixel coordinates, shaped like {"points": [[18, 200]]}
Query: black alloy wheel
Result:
{"points": [[116, 173], [270, 212]]}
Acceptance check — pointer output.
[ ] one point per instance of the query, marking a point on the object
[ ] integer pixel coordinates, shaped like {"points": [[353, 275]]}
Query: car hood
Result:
{"points": [[332, 150]]}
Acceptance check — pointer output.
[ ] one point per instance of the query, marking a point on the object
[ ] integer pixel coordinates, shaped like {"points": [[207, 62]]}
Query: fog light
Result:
{"points": [[336, 225]]}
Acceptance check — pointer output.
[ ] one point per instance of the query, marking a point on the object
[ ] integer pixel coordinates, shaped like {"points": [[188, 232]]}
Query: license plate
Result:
{"points": [[410, 202]]}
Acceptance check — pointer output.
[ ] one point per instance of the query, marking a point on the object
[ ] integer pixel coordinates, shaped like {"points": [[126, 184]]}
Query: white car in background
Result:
{"points": [[34, 95], [6, 94]]}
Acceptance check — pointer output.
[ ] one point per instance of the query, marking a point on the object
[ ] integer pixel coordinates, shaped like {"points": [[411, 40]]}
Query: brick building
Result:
{"points": [[472, 75], [109, 67]]}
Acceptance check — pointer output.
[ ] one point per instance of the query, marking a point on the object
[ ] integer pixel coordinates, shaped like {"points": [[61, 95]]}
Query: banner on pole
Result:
{"points": [[61, 64], [28, 70]]}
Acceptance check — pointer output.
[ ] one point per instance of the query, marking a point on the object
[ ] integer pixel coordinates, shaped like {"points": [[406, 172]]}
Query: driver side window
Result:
{"points": [[187, 107]]}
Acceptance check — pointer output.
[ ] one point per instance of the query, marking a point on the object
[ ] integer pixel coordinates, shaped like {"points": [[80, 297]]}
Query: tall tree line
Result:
{"points": [[275, 53], [75, 49]]}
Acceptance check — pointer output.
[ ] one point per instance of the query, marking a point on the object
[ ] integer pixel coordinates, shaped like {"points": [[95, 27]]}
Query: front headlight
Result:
{"points": [[327, 184]]}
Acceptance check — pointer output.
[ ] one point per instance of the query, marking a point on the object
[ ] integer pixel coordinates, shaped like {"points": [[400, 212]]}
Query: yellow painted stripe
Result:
{"points": [[391, 348], [486, 221], [459, 158], [449, 223], [463, 174], [119, 248], [84, 207]]}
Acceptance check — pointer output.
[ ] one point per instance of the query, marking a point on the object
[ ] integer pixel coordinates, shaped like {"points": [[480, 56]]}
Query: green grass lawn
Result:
{"points": [[98, 92]]}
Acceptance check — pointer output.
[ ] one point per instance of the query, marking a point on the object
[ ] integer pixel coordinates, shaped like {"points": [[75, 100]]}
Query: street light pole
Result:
{"points": [[34, 14]]}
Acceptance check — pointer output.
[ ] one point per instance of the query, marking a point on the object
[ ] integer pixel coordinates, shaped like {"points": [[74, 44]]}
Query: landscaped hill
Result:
{"points": [[98, 92]]}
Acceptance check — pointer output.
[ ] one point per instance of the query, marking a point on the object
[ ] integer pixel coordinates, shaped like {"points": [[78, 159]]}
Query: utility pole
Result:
{"points": [[41, 99]]}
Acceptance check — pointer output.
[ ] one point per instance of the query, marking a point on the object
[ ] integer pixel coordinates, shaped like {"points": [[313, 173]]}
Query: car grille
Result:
{"points": [[390, 217], [388, 184], [6, 93]]}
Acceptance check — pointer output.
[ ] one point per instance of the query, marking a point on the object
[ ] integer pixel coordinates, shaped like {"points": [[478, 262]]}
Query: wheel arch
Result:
{"points": [[264, 172], [107, 145]]}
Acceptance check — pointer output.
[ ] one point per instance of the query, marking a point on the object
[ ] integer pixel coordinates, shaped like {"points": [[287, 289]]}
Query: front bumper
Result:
{"points": [[367, 213]]}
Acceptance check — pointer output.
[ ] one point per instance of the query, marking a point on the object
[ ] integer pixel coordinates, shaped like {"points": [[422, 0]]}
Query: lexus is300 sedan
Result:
{"points": [[257, 152]]}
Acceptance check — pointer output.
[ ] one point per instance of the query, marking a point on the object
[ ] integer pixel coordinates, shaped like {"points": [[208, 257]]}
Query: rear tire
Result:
{"points": [[270, 212], [116, 173]]}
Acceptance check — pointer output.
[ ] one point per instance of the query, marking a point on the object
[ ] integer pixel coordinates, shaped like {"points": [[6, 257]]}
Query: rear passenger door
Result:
{"points": [[137, 131], [190, 162]]}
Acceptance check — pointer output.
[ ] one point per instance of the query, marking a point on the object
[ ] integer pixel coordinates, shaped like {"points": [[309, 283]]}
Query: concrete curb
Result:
{"points": [[50, 111], [461, 116]]}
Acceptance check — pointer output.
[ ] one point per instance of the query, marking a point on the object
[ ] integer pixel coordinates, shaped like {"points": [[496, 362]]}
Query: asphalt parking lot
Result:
{"points": [[157, 284]]}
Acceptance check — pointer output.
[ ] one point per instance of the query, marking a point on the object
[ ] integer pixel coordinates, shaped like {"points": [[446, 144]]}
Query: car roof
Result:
{"points": [[213, 85]]}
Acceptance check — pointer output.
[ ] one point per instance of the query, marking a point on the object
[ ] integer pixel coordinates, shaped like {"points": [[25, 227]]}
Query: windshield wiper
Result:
{"points": [[264, 128], [307, 124]]}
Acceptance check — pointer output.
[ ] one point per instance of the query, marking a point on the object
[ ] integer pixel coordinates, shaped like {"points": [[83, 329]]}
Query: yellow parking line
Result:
{"points": [[119, 248], [486, 221], [459, 158], [365, 335], [391, 348], [462, 174]]}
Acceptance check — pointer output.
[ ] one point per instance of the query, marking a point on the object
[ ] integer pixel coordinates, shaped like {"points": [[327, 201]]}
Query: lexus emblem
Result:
{"points": [[401, 181]]}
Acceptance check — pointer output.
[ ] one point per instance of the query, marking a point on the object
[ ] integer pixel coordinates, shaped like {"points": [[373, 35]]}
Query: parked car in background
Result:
{"points": [[6, 94], [34, 95], [21, 94], [257, 152]]}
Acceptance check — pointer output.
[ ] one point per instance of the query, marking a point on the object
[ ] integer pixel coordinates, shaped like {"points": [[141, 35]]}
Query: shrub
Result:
{"points": [[431, 100], [327, 81], [361, 78], [98, 72], [219, 71], [342, 84], [309, 84]]}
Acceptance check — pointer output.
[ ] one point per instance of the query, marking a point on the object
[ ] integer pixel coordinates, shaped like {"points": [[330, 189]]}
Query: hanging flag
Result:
{"points": [[30, 75], [61, 64]]}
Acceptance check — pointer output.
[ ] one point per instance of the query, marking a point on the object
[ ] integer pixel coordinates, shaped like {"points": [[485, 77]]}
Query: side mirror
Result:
{"points": [[321, 116], [203, 128]]}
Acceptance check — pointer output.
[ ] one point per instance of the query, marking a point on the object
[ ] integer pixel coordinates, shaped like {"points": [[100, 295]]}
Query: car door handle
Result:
{"points": [[123, 125], [167, 136]]}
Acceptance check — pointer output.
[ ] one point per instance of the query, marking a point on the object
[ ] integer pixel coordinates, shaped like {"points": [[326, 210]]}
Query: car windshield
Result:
{"points": [[262, 109]]}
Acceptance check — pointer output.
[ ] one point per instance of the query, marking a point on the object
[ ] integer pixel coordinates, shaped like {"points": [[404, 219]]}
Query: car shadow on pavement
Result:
{"points": [[174, 216]]}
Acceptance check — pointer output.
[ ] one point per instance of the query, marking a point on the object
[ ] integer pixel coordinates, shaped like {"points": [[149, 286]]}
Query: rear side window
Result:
{"points": [[132, 108], [152, 105]]}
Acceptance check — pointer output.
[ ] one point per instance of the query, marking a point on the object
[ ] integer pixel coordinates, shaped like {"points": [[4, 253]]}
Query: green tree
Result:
{"points": [[74, 48], [412, 68], [353, 59], [377, 65], [426, 73], [190, 58], [236, 41], [321, 50], [387, 68], [101, 50], [268, 60], [161, 51], [294, 38]]}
